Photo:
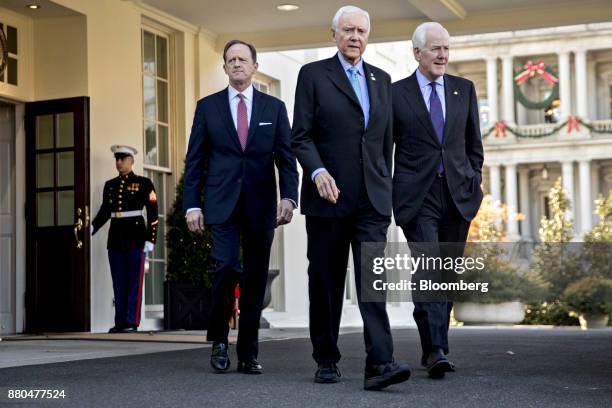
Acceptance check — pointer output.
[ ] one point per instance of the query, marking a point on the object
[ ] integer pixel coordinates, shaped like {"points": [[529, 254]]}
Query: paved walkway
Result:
{"points": [[495, 368]]}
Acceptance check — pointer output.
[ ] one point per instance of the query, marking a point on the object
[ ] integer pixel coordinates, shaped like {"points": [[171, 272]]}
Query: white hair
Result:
{"points": [[348, 9], [419, 38]]}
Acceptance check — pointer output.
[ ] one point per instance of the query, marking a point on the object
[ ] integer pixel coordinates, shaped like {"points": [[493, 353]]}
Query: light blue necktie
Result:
{"points": [[355, 82]]}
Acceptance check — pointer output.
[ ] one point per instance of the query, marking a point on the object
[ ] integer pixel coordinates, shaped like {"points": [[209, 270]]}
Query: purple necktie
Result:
{"points": [[243, 122], [437, 118]]}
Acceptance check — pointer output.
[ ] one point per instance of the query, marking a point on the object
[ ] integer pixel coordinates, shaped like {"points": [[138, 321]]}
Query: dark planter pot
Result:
{"points": [[186, 306]]}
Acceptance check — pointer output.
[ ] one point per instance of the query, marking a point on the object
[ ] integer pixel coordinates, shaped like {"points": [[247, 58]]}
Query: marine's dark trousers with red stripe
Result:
{"points": [[127, 269]]}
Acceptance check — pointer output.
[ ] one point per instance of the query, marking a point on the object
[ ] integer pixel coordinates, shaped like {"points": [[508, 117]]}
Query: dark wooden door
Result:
{"points": [[57, 215]]}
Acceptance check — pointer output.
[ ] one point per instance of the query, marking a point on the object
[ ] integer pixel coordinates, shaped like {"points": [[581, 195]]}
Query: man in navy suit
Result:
{"points": [[438, 164], [238, 135], [342, 137]]}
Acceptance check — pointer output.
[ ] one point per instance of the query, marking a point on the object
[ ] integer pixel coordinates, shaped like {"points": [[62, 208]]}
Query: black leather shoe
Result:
{"points": [[250, 367], [219, 359], [451, 364], [116, 329], [327, 374], [438, 364], [380, 376], [130, 329]]}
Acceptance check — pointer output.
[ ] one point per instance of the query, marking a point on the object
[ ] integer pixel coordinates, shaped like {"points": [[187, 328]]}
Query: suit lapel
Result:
{"points": [[414, 97], [372, 88], [340, 80], [258, 107], [223, 106], [452, 99]]}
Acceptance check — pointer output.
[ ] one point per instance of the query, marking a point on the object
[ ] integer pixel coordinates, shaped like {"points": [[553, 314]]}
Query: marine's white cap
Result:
{"points": [[124, 149]]}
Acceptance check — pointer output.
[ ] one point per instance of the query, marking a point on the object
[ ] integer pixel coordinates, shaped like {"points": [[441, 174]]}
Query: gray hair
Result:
{"points": [[348, 9], [419, 38]]}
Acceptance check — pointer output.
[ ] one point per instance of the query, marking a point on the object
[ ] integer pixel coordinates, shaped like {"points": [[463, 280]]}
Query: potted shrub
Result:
{"points": [[591, 299], [188, 272], [509, 286]]}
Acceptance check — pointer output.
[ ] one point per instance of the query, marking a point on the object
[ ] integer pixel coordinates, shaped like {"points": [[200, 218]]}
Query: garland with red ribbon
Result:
{"points": [[573, 123], [532, 70]]}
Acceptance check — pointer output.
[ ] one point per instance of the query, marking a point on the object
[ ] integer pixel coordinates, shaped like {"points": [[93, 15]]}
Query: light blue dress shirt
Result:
{"points": [[363, 85], [426, 90]]}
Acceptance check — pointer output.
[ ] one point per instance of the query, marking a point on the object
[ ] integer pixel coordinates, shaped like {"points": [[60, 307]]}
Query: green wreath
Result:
{"points": [[528, 103]]}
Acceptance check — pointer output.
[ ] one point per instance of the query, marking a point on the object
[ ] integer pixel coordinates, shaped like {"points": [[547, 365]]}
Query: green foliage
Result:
{"points": [[553, 259], [597, 253], [507, 282], [592, 294], [189, 258], [549, 313]]}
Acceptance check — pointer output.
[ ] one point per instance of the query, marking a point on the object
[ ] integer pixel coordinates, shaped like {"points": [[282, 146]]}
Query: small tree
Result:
{"points": [[597, 254], [553, 258], [189, 258]]}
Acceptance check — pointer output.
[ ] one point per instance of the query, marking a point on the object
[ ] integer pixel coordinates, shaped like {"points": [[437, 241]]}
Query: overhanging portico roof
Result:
{"points": [[259, 21]]}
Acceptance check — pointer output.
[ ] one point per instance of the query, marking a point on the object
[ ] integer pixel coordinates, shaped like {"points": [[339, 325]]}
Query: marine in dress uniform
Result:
{"points": [[129, 237]]}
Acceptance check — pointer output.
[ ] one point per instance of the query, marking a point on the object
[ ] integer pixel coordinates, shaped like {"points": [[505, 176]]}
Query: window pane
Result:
{"points": [[148, 40], [65, 129], [162, 101], [44, 209], [154, 283], [163, 146], [162, 51], [11, 71], [44, 132], [150, 144], [11, 39], [149, 97], [44, 170], [65, 207], [65, 169]]}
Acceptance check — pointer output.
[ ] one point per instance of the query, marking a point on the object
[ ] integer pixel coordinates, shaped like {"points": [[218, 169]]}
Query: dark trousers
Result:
{"points": [[329, 240], [127, 270], [252, 274], [438, 220]]}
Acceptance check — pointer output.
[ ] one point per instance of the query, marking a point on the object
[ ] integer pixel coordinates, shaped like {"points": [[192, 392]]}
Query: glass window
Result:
{"points": [[65, 207], [162, 55], [44, 132], [65, 129], [44, 209], [11, 39], [148, 40], [44, 170]]}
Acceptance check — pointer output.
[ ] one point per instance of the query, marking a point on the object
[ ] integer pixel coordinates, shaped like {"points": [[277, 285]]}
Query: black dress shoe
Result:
{"points": [[380, 376], [327, 374], [116, 329], [130, 329], [451, 364], [438, 364], [250, 367], [219, 359]]}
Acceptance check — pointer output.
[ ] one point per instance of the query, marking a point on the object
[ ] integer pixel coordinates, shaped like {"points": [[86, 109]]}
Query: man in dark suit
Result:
{"points": [[238, 135], [342, 138], [438, 163]]}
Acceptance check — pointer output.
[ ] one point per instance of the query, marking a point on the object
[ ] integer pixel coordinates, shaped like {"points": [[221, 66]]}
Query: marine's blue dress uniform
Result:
{"points": [[123, 201]]}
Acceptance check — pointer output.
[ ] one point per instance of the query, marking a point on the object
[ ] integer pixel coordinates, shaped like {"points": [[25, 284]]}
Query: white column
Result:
{"points": [[508, 89], [565, 91], [495, 185], [511, 202], [581, 84], [586, 210], [524, 206], [567, 174], [492, 89]]}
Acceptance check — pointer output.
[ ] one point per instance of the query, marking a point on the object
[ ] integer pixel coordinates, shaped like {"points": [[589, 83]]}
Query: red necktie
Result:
{"points": [[243, 122]]}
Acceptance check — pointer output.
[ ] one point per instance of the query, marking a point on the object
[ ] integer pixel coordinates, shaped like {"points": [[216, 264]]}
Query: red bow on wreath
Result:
{"points": [[500, 129], [573, 123], [532, 69]]}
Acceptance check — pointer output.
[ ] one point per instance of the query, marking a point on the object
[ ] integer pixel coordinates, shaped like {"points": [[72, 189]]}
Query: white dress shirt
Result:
{"points": [[234, 99]]}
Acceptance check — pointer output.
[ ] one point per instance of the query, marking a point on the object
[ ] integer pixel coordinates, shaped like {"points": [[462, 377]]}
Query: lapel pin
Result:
{"points": [[455, 93], [372, 77]]}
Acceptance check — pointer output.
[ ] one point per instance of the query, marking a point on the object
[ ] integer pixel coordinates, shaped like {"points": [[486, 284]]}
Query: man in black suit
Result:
{"points": [[342, 138], [438, 163], [238, 135]]}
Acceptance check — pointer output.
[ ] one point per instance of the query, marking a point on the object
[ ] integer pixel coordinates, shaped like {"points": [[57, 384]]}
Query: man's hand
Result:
{"points": [[195, 221], [284, 212], [326, 185]]}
